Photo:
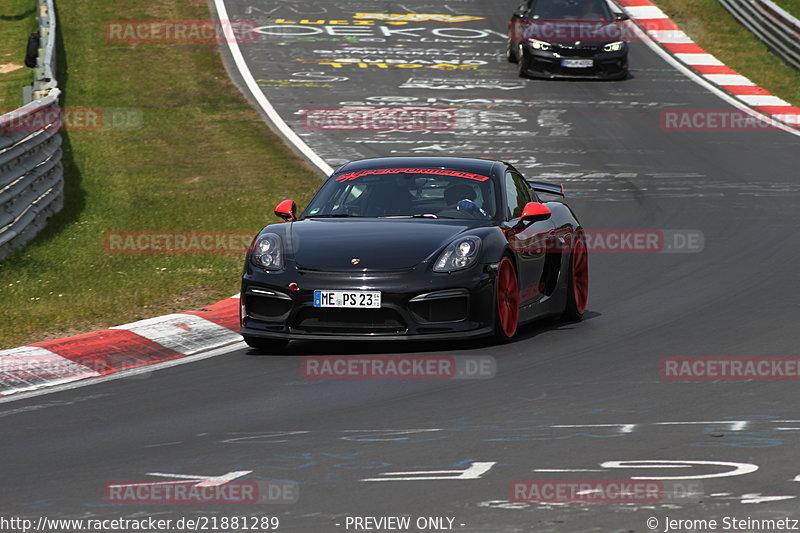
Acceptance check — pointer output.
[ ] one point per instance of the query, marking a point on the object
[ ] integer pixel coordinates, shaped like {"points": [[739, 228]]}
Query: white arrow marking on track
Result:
{"points": [[736, 425], [739, 469], [201, 481], [623, 428], [475, 471], [756, 497]]}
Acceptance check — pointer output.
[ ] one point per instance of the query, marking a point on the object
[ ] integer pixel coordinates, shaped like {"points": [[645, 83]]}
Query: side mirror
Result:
{"points": [[518, 14], [534, 212], [286, 210], [621, 16]]}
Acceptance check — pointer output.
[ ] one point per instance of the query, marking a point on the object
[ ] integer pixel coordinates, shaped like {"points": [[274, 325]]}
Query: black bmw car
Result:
{"points": [[568, 39], [415, 248]]}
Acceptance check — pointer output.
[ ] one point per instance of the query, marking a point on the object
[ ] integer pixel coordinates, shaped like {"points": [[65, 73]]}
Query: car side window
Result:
{"points": [[517, 194]]}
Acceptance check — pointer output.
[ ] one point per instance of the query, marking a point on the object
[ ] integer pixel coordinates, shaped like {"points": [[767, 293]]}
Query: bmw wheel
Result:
{"points": [[510, 52]]}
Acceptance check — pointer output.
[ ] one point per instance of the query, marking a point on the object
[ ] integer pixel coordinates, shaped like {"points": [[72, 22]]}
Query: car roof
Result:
{"points": [[485, 167]]}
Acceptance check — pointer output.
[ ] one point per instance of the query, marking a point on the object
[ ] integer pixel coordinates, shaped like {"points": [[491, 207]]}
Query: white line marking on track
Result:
{"points": [[623, 428], [700, 59], [756, 497], [261, 98], [162, 444], [671, 37], [763, 99], [729, 79], [646, 12], [399, 434], [566, 470]]}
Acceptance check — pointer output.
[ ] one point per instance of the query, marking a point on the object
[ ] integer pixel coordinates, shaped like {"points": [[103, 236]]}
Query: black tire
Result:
{"points": [[523, 64], [510, 55], [270, 346]]}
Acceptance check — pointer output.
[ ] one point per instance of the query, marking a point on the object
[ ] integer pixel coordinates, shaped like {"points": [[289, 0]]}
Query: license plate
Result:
{"points": [[577, 63], [351, 299]]}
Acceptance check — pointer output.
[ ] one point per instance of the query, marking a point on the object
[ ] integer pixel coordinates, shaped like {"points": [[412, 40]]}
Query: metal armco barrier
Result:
{"points": [[771, 24], [31, 174]]}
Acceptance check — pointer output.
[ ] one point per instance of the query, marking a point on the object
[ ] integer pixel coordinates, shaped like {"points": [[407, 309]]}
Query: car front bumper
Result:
{"points": [[416, 304], [547, 64]]}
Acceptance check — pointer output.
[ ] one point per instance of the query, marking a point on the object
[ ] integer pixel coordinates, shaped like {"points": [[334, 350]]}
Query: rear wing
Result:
{"points": [[549, 188]]}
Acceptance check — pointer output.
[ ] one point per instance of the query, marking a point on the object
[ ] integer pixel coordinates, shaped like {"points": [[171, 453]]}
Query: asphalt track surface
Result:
{"points": [[565, 396]]}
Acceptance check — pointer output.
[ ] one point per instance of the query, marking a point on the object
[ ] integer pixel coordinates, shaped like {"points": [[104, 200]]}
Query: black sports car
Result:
{"points": [[415, 248], [568, 39]]}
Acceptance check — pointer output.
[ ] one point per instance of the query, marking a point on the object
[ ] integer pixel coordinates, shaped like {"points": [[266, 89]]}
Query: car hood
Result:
{"points": [[379, 244], [572, 32]]}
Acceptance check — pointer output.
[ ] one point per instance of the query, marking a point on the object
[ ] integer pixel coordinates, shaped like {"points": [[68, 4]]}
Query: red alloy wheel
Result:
{"points": [[507, 298], [580, 275]]}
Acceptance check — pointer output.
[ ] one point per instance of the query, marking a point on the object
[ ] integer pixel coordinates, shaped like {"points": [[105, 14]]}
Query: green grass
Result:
{"points": [[715, 29], [202, 160], [17, 20], [792, 6]]}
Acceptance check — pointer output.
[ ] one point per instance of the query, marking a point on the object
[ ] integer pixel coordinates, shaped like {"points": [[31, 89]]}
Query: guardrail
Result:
{"points": [[771, 24], [31, 174]]}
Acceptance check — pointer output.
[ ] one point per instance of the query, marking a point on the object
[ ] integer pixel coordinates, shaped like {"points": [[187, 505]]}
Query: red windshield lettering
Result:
{"points": [[433, 171]]}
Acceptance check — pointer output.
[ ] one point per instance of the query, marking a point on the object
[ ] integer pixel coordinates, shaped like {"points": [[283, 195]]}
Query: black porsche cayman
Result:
{"points": [[415, 248]]}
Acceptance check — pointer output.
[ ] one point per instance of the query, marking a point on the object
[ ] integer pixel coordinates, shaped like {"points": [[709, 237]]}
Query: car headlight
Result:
{"points": [[540, 45], [614, 47], [459, 254], [267, 251]]}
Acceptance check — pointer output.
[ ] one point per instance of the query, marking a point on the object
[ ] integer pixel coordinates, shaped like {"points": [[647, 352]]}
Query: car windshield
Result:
{"points": [[424, 193], [570, 10]]}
